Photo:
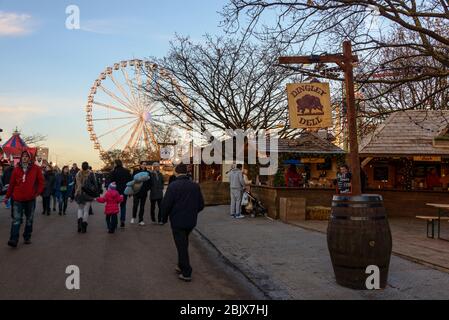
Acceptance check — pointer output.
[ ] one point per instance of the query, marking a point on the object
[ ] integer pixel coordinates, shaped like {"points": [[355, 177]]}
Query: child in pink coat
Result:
{"points": [[112, 199]]}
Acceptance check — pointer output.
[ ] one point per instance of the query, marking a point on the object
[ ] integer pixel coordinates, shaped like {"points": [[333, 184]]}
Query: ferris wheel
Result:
{"points": [[120, 114]]}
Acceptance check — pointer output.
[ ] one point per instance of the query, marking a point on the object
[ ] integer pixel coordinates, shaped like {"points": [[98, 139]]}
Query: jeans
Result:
{"points": [[153, 210], [63, 201], [123, 208], [19, 209], [236, 201], [112, 221], [54, 198], [181, 237], [136, 202], [46, 204], [83, 211]]}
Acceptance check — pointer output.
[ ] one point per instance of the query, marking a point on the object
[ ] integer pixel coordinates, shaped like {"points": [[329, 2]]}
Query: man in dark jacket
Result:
{"points": [[157, 192], [182, 203], [27, 182], [50, 181], [73, 172], [121, 177], [140, 198], [7, 173]]}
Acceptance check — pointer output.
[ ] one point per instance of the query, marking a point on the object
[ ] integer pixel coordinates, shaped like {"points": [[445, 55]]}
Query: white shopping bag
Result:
{"points": [[245, 199]]}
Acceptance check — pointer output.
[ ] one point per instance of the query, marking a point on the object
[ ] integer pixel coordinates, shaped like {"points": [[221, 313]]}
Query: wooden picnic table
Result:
{"points": [[442, 207]]}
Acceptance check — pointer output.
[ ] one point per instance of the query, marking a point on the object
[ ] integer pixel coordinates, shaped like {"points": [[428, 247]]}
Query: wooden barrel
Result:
{"points": [[358, 235]]}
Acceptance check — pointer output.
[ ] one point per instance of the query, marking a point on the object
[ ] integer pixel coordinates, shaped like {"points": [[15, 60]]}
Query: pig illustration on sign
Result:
{"points": [[311, 104]]}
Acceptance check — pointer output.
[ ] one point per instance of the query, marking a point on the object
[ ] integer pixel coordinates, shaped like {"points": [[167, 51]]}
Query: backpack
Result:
{"points": [[90, 187]]}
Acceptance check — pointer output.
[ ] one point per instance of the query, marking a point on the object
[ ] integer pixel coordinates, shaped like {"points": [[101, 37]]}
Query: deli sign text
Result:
{"points": [[309, 105]]}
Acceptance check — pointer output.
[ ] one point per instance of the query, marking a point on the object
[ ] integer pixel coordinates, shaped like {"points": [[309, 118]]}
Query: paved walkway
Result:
{"points": [[409, 240], [289, 262], [136, 263]]}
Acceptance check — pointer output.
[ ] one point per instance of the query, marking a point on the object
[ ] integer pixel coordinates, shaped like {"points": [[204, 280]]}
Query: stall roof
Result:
{"points": [[409, 133], [306, 143]]}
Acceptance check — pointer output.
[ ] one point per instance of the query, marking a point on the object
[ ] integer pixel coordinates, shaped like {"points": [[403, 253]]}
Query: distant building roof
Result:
{"points": [[409, 132]]}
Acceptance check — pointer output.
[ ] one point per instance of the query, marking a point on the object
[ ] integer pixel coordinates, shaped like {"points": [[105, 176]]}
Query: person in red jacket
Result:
{"points": [[292, 177], [112, 199], [27, 182]]}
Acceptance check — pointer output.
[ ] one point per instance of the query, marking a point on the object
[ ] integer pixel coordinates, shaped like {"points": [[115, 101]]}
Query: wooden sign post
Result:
{"points": [[345, 61]]}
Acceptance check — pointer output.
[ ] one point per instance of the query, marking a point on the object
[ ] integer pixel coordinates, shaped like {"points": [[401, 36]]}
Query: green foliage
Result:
{"points": [[279, 179]]}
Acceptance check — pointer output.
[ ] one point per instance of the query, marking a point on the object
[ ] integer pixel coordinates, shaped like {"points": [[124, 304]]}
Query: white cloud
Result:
{"points": [[122, 27], [18, 112], [22, 110], [99, 26], [14, 24]]}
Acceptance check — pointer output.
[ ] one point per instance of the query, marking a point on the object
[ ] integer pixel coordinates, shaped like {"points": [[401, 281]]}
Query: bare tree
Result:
{"points": [[35, 139], [403, 46], [311, 21], [372, 25], [222, 83]]}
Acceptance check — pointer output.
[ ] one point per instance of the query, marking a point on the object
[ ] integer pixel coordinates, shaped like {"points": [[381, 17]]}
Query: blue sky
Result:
{"points": [[46, 70]]}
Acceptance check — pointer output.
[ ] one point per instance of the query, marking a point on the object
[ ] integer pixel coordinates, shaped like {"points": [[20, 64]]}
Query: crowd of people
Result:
{"points": [[22, 184]]}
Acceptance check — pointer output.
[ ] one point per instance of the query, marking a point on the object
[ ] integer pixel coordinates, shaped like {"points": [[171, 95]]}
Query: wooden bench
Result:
{"points": [[431, 223]]}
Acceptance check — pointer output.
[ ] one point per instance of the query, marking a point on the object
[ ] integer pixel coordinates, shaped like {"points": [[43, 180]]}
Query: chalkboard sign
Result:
{"points": [[380, 173]]}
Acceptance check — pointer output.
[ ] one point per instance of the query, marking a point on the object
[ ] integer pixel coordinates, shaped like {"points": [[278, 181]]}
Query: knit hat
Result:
{"points": [[156, 164], [181, 168], [112, 186]]}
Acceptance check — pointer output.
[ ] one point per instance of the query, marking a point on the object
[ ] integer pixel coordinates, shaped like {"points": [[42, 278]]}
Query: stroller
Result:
{"points": [[253, 207]]}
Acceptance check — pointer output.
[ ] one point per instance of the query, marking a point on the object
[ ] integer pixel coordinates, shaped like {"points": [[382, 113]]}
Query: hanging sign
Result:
{"points": [[313, 160], [165, 153], [427, 158], [309, 105]]}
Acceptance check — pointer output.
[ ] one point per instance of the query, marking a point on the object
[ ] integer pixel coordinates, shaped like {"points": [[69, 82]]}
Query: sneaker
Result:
{"points": [[141, 223], [178, 270], [183, 278], [12, 243], [28, 241], [122, 224], [160, 223], [133, 221], [240, 216], [154, 222]]}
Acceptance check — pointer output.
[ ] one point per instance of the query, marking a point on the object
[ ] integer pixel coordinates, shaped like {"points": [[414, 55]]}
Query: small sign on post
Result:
{"points": [[309, 105], [166, 153]]}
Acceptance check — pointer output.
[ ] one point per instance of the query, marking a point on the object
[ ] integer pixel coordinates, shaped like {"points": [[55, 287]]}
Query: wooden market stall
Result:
{"points": [[314, 158], [407, 161], [408, 152]]}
